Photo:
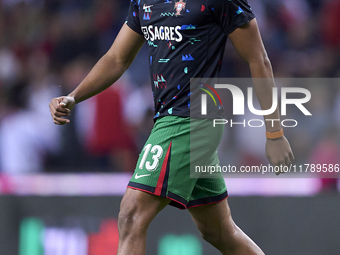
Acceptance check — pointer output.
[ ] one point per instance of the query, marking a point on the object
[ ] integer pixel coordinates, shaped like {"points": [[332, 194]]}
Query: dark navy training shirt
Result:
{"points": [[186, 39]]}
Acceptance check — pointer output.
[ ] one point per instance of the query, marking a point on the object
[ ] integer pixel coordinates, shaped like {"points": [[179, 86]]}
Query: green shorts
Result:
{"points": [[163, 167]]}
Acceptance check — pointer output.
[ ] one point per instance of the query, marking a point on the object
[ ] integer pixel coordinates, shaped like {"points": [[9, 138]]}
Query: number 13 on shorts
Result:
{"points": [[156, 152]]}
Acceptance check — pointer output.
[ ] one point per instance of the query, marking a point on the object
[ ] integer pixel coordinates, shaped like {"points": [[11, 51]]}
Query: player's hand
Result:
{"points": [[278, 152], [60, 108]]}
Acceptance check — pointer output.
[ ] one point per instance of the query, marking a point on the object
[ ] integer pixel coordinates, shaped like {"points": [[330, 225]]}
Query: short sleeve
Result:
{"points": [[231, 14], [132, 19]]}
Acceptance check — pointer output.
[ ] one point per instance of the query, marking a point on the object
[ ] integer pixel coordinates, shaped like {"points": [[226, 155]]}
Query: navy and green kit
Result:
{"points": [[185, 39]]}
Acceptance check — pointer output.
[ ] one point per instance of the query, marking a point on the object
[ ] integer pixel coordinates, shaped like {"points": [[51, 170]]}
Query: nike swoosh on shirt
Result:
{"points": [[141, 176], [147, 6]]}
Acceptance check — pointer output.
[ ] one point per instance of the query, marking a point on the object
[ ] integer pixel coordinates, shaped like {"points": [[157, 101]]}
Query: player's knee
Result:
{"points": [[224, 237], [130, 221], [125, 223], [126, 219], [211, 236]]}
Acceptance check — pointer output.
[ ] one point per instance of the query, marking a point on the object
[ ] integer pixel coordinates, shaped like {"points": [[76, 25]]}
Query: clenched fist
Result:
{"points": [[60, 108]]}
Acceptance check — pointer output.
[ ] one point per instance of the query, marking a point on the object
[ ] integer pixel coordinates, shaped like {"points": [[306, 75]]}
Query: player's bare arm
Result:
{"points": [[248, 43], [106, 72]]}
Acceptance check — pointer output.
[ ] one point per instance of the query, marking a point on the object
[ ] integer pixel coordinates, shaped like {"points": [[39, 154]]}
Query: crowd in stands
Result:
{"points": [[48, 46]]}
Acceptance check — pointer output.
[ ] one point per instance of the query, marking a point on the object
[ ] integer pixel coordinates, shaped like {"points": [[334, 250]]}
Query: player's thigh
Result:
{"points": [[138, 207], [214, 219]]}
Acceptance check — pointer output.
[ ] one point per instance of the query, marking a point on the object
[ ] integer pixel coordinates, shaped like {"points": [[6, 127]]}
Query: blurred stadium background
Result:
{"points": [[61, 186]]}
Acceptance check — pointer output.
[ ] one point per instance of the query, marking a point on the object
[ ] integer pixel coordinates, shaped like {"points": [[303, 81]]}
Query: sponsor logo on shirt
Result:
{"points": [[163, 33]]}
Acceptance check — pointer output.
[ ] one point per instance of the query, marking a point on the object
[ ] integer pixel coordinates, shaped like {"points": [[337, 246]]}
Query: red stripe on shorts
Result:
{"points": [[159, 186]]}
